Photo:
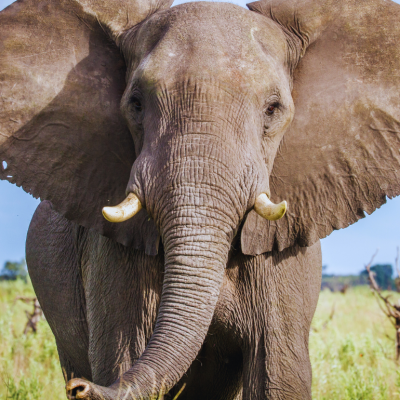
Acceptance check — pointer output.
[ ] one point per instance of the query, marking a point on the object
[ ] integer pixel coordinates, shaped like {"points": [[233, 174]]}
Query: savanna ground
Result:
{"points": [[352, 353]]}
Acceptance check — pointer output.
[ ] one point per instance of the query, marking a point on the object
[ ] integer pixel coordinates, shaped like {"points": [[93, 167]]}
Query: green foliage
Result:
{"points": [[383, 275], [24, 390], [14, 270]]}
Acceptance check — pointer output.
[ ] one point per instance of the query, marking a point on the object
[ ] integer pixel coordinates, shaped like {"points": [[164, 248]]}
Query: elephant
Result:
{"points": [[220, 144]]}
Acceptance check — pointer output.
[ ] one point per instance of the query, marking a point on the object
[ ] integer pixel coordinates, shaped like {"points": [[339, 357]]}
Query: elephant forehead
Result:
{"points": [[218, 40]]}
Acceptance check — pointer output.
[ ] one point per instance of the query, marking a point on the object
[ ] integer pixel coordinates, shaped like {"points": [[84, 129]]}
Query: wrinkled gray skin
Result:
{"points": [[198, 171], [103, 317], [224, 303]]}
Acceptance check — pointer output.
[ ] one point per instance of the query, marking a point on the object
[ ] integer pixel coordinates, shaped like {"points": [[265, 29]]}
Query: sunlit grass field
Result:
{"points": [[352, 353], [29, 367]]}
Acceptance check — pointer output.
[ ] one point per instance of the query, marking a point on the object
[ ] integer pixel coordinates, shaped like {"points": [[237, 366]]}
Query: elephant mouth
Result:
{"points": [[263, 206]]}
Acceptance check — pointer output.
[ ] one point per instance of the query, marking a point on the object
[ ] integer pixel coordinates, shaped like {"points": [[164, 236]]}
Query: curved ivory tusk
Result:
{"points": [[123, 211], [267, 209]]}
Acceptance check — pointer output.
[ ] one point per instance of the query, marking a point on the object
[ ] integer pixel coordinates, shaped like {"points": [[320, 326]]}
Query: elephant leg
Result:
{"points": [[54, 268], [215, 374], [279, 291], [122, 290], [69, 370]]}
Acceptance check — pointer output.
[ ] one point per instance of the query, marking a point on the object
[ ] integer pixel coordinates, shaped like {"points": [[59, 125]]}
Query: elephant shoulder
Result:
{"points": [[49, 235], [47, 221]]}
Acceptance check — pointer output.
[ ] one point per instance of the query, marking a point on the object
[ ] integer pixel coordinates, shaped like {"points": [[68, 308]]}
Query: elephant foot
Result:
{"points": [[81, 389]]}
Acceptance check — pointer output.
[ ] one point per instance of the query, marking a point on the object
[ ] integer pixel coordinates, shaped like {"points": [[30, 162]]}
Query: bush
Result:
{"points": [[13, 271]]}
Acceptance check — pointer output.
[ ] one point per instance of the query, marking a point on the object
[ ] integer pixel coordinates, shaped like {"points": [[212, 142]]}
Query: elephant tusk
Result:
{"points": [[123, 211], [267, 209]]}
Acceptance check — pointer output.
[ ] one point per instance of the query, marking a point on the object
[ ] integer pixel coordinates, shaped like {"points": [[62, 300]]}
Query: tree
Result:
{"points": [[383, 274], [14, 270], [391, 309]]}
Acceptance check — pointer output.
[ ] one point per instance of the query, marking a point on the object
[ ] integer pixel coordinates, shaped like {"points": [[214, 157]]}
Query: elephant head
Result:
{"points": [[198, 114]]}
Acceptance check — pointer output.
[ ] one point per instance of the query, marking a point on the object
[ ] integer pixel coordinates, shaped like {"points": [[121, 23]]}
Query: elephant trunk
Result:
{"points": [[197, 198], [196, 249], [195, 259], [197, 182]]}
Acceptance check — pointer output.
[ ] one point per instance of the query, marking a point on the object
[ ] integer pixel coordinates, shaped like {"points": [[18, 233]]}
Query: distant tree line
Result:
{"points": [[13, 270], [383, 275]]}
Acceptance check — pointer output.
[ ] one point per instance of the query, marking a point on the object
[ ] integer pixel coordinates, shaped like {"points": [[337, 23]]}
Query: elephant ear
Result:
{"points": [[62, 136], [340, 157]]}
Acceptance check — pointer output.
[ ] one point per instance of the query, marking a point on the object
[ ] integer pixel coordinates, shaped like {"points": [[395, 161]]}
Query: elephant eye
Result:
{"points": [[137, 104], [271, 108]]}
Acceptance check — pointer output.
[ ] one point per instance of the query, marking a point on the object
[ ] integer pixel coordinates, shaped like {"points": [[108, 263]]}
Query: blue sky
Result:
{"points": [[344, 251]]}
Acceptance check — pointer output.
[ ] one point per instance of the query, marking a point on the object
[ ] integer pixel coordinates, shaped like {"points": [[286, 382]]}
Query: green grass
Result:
{"points": [[352, 353], [29, 366]]}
